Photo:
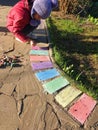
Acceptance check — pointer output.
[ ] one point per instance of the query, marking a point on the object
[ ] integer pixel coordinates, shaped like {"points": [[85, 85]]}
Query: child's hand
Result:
{"points": [[33, 43]]}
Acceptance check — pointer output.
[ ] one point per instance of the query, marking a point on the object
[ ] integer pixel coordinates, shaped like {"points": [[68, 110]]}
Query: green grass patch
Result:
{"points": [[75, 50]]}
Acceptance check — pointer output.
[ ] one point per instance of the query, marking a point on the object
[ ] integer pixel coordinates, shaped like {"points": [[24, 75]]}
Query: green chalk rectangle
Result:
{"points": [[67, 95], [38, 52], [55, 84]]}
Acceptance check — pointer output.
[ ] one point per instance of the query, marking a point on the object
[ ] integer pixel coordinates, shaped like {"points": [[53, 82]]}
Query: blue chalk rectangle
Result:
{"points": [[47, 74]]}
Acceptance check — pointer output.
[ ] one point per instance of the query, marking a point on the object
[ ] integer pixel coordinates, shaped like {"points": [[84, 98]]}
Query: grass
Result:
{"points": [[75, 50]]}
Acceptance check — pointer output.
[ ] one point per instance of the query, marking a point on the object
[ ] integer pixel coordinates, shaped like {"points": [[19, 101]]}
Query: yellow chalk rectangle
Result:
{"points": [[67, 95]]}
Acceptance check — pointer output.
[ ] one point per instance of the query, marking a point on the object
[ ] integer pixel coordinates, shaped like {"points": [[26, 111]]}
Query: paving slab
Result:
{"points": [[41, 65], [8, 88], [39, 58], [47, 74], [55, 84], [67, 123], [39, 52], [92, 122], [10, 40], [4, 73], [67, 95], [37, 115], [13, 75], [8, 113], [82, 108], [27, 84]]}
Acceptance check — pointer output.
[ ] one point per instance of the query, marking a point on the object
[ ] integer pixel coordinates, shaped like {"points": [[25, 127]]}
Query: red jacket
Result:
{"points": [[18, 18]]}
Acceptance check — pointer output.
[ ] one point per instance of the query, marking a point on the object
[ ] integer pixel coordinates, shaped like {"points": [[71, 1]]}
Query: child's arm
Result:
{"points": [[21, 37], [18, 24]]}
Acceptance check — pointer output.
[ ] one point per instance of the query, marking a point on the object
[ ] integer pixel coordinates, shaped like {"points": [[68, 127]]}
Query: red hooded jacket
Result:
{"points": [[18, 18]]}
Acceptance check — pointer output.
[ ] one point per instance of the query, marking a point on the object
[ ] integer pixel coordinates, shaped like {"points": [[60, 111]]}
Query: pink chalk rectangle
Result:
{"points": [[39, 58], [82, 108], [39, 48], [35, 48], [42, 65]]}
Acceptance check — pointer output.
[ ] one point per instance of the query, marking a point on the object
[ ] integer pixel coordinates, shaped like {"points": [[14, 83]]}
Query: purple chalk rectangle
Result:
{"points": [[42, 65]]}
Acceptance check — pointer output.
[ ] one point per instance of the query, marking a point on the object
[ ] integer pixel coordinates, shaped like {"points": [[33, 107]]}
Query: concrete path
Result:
{"points": [[23, 103]]}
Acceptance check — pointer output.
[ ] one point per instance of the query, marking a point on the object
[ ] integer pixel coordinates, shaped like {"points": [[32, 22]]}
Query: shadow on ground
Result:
{"points": [[3, 29], [8, 2]]}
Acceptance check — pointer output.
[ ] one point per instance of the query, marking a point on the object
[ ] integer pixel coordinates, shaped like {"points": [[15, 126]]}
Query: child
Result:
{"points": [[25, 16]]}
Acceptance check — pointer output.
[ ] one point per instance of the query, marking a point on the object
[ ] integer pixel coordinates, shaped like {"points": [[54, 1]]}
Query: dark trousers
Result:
{"points": [[28, 29]]}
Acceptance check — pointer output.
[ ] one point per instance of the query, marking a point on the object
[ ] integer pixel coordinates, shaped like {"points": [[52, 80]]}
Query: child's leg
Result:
{"points": [[24, 36], [28, 29]]}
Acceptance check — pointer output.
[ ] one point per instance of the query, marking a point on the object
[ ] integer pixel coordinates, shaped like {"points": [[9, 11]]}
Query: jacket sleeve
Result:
{"points": [[22, 37], [18, 25], [16, 22]]}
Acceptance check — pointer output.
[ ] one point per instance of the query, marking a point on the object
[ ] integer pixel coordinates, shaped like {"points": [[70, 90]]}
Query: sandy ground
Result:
{"points": [[23, 104]]}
